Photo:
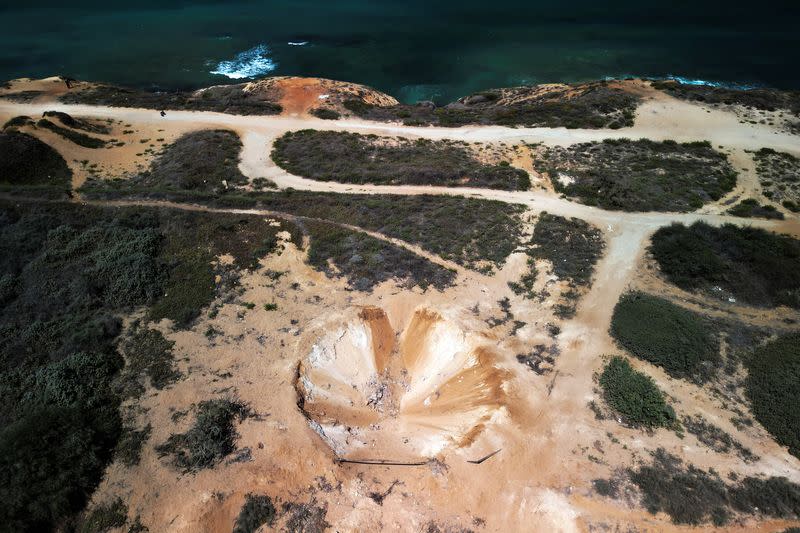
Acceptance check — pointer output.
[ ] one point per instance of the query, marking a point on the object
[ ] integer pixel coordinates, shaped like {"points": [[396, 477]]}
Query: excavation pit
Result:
{"points": [[371, 393]]}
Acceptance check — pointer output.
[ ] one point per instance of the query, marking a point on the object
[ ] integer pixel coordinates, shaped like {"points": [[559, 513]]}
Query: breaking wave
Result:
{"points": [[248, 64]]}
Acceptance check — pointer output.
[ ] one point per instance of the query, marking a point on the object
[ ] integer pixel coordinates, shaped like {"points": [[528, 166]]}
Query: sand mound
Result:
{"points": [[371, 396]]}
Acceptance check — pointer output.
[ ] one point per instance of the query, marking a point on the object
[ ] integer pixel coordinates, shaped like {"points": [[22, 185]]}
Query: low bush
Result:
{"points": [[78, 124], [367, 261], [681, 342], [256, 511], [693, 496], [641, 175], [754, 265], [81, 139], [715, 438], [750, 208], [105, 517], [779, 174], [773, 387], [149, 353], [211, 438], [18, 122], [354, 158], [325, 114], [570, 244], [583, 105], [129, 447], [635, 396], [766, 99]]}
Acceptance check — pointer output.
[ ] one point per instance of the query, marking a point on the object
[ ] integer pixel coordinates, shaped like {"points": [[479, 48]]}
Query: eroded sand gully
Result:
{"points": [[372, 397]]}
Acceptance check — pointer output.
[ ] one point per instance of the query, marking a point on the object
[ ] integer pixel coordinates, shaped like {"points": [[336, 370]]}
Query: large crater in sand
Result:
{"points": [[372, 394]]}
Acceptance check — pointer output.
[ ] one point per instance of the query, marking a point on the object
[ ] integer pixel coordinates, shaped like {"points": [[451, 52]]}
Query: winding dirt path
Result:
{"points": [[562, 418]]}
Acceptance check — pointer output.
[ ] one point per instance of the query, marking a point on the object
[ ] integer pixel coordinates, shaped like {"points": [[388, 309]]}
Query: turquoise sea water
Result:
{"points": [[412, 49]]}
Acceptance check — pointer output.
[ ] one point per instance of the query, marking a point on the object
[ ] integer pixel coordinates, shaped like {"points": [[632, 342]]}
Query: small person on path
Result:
{"points": [[163, 113]]}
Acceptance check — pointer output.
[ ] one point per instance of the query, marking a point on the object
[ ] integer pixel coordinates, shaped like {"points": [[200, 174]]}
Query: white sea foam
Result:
{"points": [[248, 64], [297, 43]]}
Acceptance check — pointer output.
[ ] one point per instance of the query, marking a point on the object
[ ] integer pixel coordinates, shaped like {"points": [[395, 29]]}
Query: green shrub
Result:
{"points": [[210, 439], [81, 139], [256, 511], [634, 395], [755, 266], [354, 158], [773, 387], [674, 338], [270, 307]]}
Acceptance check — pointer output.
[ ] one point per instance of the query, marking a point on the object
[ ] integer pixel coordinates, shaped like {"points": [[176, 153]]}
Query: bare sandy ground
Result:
{"points": [[550, 444]]}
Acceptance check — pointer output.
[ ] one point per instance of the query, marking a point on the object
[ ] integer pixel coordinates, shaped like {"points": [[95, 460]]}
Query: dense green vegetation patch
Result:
{"points": [[634, 395], [367, 261], [751, 264], [693, 496], [203, 160], [232, 99], [256, 511], [779, 174], [354, 158], [472, 232], [641, 175], [773, 387], [212, 437], [28, 164], [77, 137], [681, 342], [750, 208], [67, 274], [588, 105]]}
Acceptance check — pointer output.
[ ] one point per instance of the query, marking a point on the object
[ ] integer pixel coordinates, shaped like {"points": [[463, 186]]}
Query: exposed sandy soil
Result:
{"points": [[431, 376]]}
